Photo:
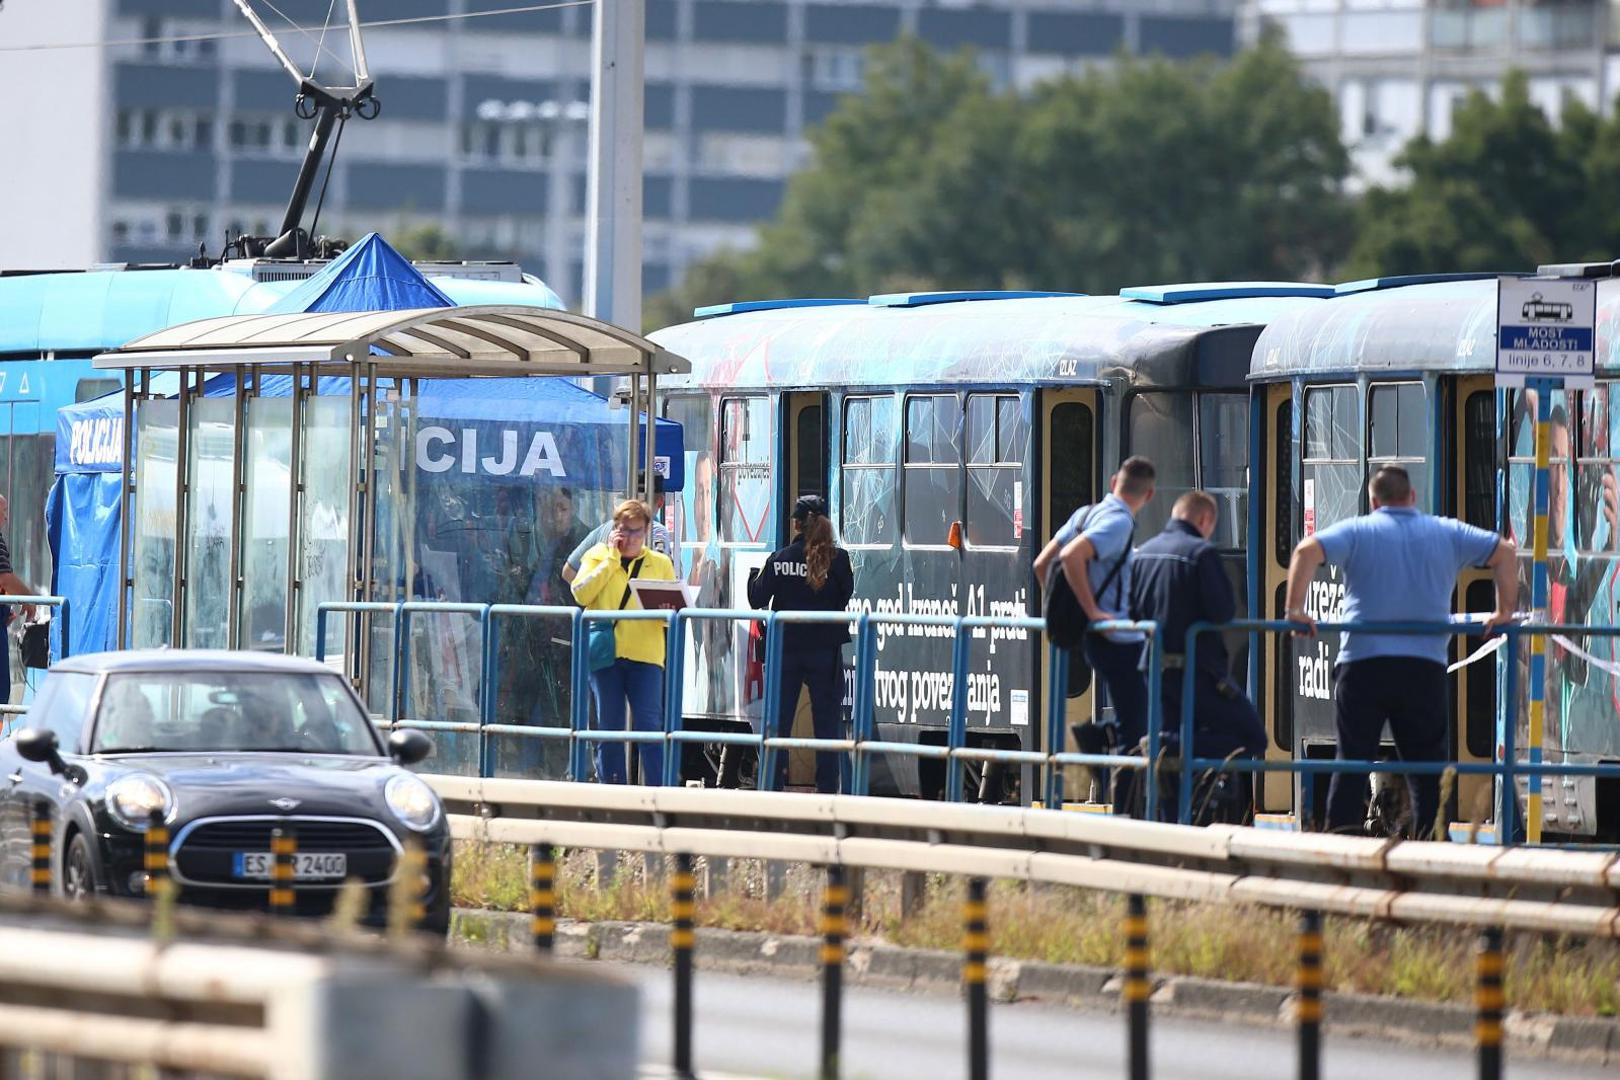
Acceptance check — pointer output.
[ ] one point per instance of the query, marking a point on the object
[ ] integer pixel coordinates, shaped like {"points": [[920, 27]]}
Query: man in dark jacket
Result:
{"points": [[1179, 580]]}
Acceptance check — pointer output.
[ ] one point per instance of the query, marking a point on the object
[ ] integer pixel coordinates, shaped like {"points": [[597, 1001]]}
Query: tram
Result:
{"points": [[1401, 370], [925, 417]]}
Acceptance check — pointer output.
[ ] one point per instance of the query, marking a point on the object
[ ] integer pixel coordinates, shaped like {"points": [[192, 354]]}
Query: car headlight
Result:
{"points": [[412, 801], [131, 799]]}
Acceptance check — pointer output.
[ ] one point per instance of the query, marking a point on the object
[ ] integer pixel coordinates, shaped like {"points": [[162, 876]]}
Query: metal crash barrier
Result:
{"points": [[1468, 888]]}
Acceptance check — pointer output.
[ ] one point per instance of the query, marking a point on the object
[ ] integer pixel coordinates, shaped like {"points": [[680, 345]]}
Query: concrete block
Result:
{"points": [[362, 1024], [563, 1024]]}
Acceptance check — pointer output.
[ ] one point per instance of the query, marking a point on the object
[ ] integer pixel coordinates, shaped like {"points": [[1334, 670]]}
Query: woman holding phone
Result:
{"points": [[811, 574], [627, 656]]}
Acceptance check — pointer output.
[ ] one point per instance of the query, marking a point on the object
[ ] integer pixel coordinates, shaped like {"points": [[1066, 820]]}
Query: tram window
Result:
{"points": [[1282, 486], [1332, 465], [1479, 459], [996, 437], [866, 503], [1597, 474], [810, 450], [1398, 432], [1223, 463], [691, 411], [1071, 468], [90, 389], [1161, 427], [932, 484], [1522, 470], [745, 469]]}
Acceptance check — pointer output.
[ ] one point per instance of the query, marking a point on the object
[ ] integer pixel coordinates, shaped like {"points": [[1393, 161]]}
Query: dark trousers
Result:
{"points": [[1224, 723], [822, 670], [1409, 694], [1119, 667]]}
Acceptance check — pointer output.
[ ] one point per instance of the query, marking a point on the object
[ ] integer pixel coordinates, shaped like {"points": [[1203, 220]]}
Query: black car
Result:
{"points": [[228, 745]]}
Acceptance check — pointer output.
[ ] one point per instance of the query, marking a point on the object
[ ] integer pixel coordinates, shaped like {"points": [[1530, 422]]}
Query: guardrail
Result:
{"points": [[216, 995], [1463, 886]]}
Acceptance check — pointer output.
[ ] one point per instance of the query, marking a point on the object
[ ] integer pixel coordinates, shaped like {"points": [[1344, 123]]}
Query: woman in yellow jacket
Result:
{"points": [[635, 673]]}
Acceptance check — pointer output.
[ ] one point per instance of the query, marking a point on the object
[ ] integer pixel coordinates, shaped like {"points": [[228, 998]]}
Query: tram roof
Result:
{"points": [[84, 312], [1043, 339], [1443, 326]]}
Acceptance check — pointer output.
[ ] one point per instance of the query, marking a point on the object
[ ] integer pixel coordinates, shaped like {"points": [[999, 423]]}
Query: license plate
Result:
{"points": [[307, 865]]}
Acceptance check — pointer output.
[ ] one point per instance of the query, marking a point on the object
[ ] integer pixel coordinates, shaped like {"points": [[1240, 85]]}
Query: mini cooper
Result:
{"points": [[227, 746]]}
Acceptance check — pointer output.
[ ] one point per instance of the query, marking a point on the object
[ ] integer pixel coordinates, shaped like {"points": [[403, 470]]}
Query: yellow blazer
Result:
{"points": [[600, 584]]}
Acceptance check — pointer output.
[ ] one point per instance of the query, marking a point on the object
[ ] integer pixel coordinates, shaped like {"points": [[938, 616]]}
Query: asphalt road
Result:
{"points": [[757, 1026]]}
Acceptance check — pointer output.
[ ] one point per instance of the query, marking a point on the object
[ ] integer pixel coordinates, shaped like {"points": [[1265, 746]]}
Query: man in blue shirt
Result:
{"points": [[1095, 547], [1400, 565]]}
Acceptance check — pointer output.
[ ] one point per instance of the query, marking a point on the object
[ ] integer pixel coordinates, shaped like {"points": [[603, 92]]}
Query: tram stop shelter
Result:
{"points": [[307, 472]]}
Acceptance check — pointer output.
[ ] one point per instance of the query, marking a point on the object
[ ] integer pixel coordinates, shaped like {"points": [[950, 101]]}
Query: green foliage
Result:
{"points": [[425, 243], [1506, 191], [1138, 171]]}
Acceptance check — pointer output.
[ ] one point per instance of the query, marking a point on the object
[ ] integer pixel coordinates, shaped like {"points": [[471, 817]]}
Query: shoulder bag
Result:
{"points": [[603, 646]]}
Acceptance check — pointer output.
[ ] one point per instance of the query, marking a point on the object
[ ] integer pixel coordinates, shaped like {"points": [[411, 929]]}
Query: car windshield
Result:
{"points": [[205, 711]]}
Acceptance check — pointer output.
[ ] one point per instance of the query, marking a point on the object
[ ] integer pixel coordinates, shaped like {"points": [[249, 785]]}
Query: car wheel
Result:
{"points": [[78, 871]]}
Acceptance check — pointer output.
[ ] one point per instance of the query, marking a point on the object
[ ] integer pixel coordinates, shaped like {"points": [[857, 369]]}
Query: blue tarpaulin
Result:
{"points": [[471, 434]]}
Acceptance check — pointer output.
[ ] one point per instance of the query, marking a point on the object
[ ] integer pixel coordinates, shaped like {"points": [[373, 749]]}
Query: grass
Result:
{"points": [[1058, 924]]}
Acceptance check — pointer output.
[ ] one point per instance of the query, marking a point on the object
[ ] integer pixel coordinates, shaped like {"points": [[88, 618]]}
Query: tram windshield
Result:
{"points": [[1215, 459]]}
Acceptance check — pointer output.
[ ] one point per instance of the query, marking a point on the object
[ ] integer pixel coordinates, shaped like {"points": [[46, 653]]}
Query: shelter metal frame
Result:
{"points": [[368, 348]]}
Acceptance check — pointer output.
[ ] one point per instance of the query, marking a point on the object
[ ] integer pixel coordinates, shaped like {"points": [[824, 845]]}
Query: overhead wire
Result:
{"points": [[171, 39]]}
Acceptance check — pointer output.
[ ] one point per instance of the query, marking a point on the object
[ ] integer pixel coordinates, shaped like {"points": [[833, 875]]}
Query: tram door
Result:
{"points": [[804, 437], [1471, 441], [1070, 443], [1274, 696]]}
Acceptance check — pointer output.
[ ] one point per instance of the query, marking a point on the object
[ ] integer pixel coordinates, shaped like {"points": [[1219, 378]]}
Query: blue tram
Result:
{"points": [[950, 433]]}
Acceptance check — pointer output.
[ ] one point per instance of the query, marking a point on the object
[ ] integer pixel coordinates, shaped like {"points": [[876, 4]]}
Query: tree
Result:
{"points": [[1139, 172], [426, 243], [1507, 190]]}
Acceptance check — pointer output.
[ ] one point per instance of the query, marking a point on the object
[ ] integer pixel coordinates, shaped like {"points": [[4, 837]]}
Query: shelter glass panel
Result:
{"points": [[211, 492], [745, 469], [1591, 578], [323, 527], [933, 473], [1398, 432], [1161, 427], [1223, 463], [1522, 474], [157, 441], [1332, 466], [267, 480], [997, 437], [866, 503]]}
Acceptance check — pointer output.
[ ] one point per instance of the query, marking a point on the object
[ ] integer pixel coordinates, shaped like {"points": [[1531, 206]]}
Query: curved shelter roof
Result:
{"points": [[445, 342]]}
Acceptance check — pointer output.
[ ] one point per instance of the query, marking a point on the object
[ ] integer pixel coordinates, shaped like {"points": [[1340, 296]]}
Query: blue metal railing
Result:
{"points": [[862, 742], [1505, 766]]}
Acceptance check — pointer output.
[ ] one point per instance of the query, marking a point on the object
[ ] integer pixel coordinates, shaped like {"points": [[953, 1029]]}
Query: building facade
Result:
{"points": [[163, 145], [1398, 68]]}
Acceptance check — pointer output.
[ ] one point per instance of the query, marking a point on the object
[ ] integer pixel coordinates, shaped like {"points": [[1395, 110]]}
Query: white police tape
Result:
{"points": [[1569, 646]]}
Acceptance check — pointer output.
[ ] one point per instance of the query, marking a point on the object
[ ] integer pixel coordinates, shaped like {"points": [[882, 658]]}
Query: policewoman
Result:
{"points": [[627, 656], [810, 574]]}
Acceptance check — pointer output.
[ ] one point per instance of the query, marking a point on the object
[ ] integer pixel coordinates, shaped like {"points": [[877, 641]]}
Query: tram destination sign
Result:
{"points": [[1545, 329]]}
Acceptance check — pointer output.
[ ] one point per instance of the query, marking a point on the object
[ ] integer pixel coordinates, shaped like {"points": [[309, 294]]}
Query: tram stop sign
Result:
{"points": [[1544, 330]]}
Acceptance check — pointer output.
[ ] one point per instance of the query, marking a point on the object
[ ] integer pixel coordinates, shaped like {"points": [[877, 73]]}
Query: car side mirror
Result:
{"points": [[409, 746], [39, 745]]}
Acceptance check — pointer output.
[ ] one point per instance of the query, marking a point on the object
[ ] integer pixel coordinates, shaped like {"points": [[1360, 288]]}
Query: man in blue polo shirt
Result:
{"points": [[1400, 565], [1095, 547]]}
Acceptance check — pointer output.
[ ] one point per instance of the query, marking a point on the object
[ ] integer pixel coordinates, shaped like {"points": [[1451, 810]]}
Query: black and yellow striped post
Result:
{"points": [[40, 874], [1137, 988], [975, 958], [283, 853], [156, 862], [1488, 1003], [543, 896], [1308, 1008], [683, 909], [834, 929]]}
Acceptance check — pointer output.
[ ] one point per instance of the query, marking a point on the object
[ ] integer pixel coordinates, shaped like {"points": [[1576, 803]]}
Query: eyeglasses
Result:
{"points": [[633, 532]]}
